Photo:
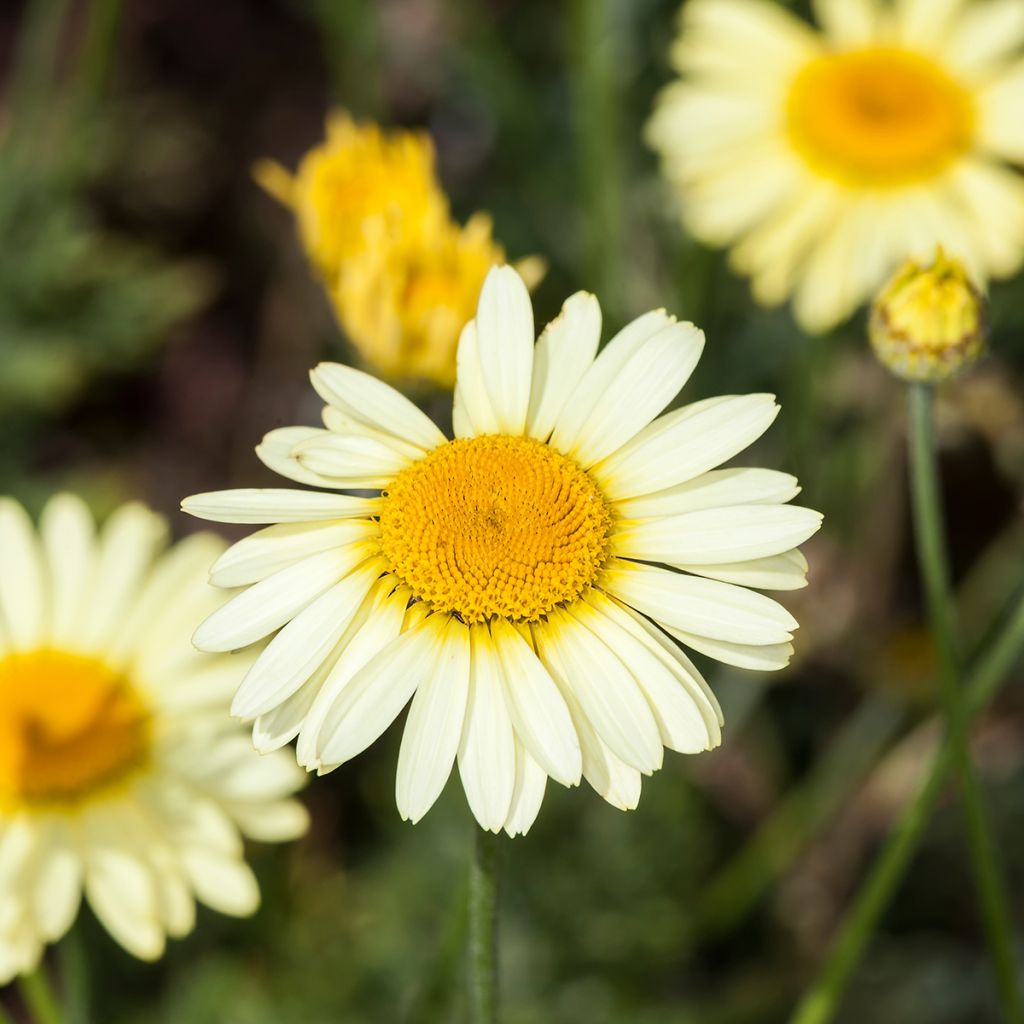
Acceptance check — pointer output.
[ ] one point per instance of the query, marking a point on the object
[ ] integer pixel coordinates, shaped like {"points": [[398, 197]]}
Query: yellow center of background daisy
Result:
{"points": [[69, 725], [495, 526], [878, 116]]}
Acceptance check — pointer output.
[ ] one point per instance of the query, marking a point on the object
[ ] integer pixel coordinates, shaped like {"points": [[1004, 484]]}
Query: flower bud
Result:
{"points": [[928, 322]]}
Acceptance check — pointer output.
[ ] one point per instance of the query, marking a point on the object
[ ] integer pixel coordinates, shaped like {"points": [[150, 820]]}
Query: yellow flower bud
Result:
{"points": [[927, 323]]}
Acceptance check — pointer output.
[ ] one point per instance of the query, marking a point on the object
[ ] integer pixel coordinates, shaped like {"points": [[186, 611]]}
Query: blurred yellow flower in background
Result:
{"points": [[121, 774], [928, 322], [403, 276], [824, 159]]}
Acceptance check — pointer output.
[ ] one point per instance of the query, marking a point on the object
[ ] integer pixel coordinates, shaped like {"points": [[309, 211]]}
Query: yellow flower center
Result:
{"points": [[878, 117], [495, 526], [69, 725]]}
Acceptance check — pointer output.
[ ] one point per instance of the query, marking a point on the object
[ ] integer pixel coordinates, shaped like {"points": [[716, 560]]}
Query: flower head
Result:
{"points": [[928, 322], [827, 159], [402, 274], [527, 584], [120, 773]]}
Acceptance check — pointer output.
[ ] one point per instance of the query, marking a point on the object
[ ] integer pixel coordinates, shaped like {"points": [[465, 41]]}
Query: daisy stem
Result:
{"points": [[990, 669], [483, 928], [929, 533], [37, 993]]}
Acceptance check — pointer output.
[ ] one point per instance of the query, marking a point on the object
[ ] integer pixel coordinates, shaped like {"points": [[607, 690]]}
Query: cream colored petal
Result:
{"points": [[473, 413], [683, 444], [605, 690], [274, 821], [269, 604], [283, 722], [487, 750], [433, 727], [68, 535], [276, 505], [987, 34], [926, 24], [738, 533], [274, 548], [275, 452], [23, 596], [350, 461], [992, 198], [848, 23], [528, 794], [224, 883], [539, 715], [786, 571], [715, 489], [370, 401], [708, 608], [755, 657], [564, 353], [57, 887], [1000, 129]]}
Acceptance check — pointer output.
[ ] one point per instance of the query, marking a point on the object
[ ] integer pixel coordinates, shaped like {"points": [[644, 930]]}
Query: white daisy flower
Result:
{"points": [[523, 585], [823, 160], [121, 774]]}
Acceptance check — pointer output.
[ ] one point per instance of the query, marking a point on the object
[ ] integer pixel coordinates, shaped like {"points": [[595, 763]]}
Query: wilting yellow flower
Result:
{"points": [[403, 276], [823, 160], [121, 775], [928, 322], [523, 585], [358, 190], [403, 309]]}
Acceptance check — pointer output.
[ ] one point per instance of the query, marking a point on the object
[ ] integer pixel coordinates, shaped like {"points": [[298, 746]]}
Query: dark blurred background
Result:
{"points": [[157, 317]]}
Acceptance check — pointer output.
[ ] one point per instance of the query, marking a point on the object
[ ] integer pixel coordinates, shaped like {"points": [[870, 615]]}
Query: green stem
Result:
{"points": [[97, 53], [988, 673], [37, 993], [483, 928], [929, 534]]}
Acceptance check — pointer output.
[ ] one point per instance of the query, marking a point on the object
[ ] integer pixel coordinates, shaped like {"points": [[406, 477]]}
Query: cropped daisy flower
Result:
{"points": [[121, 775], [824, 159], [523, 585], [402, 274]]}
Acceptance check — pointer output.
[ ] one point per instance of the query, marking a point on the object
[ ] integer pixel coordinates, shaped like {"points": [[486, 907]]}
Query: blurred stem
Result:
{"points": [[595, 65], [35, 66], [988, 673], [37, 993], [100, 40], [75, 973], [483, 928], [929, 533]]}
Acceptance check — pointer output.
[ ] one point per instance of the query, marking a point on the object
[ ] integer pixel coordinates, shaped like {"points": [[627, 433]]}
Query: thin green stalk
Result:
{"points": [[929, 534], [988, 673], [98, 46], [483, 928], [37, 993]]}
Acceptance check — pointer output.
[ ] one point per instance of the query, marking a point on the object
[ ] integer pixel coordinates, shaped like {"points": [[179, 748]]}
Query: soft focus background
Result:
{"points": [[157, 317]]}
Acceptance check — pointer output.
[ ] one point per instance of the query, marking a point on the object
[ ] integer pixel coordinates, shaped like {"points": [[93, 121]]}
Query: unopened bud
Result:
{"points": [[927, 323]]}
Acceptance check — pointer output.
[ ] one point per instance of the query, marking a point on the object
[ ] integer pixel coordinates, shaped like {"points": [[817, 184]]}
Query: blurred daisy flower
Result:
{"points": [[402, 275], [524, 584], [121, 774], [824, 159]]}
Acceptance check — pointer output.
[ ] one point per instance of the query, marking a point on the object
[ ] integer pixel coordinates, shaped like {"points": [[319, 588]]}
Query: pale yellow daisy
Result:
{"points": [[526, 585], [121, 775], [824, 159]]}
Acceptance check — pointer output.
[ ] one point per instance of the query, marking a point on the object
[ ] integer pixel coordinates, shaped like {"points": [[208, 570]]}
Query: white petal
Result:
{"points": [[563, 355], [302, 645], [487, 752], [434, 726], [350, 461], [269, 604], [607, 693], [472, 413], [378, 405], [985, 34], [708, 608], [378, 691], [715, 489], [786, 571], [129, 542], [282, 723], [539, 715], [755, 657], [23, 597], [712, 536], [68, 535], [57, 889], [1000, 130], [528, 794], [505, 339], [275, 452], [276, 547], [601, 375], [649, 379], [274, 821], [683, 444], [848, 22], [225, 883], [276, 505]]}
